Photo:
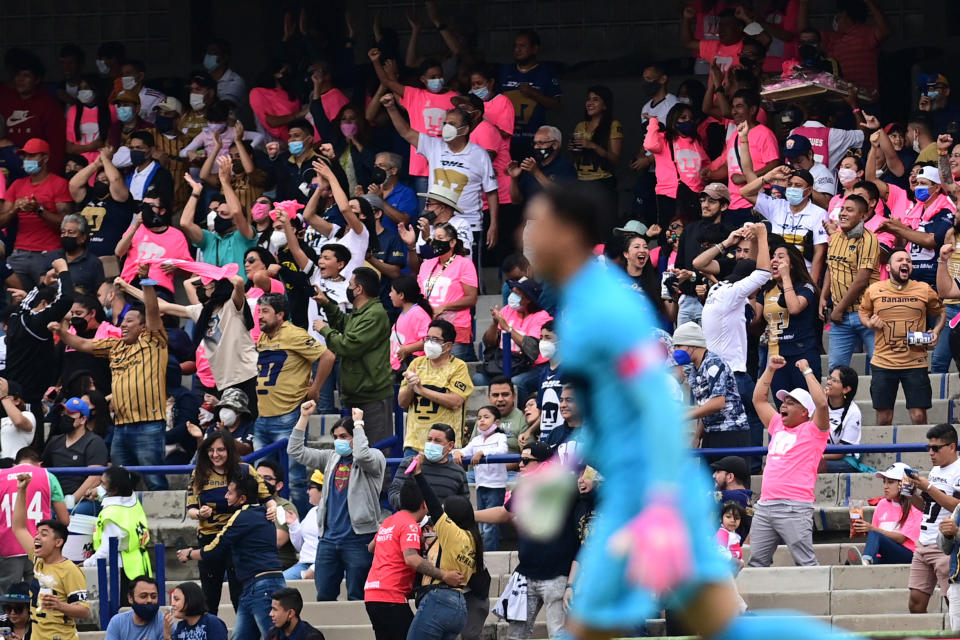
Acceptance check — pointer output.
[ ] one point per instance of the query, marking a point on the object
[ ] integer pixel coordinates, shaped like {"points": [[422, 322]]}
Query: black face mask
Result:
{"points": [[221, 225], [543, 154], [78, 324], [440, 247], [650, 88], [271, 486], [69, 243], [351, 296], [151, 218], [99, 190], [69, 175], [807, 51], [378, 175], [146, 611], [164, 124], [66, 424], [138, 157]]}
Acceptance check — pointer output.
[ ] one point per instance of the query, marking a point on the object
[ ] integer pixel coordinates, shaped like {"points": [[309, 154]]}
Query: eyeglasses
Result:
{"points": [[15, 608], [955, 155], [933, 448], [434, 340], [675, 226]]}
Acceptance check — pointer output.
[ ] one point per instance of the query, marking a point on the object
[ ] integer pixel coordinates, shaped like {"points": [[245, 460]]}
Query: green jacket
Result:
{"points": [[362, 340]]}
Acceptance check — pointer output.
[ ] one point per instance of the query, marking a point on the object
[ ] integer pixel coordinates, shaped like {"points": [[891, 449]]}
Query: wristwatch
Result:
{"points": [[807, 371]]}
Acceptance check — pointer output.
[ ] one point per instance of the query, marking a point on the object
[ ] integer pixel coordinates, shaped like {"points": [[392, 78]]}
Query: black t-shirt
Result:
{"points": [[297, 283], [546, 560], [88, 451], [107, 220]]}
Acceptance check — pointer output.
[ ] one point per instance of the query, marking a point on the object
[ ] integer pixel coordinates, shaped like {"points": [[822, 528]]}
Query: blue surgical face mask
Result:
{"points": [[433, 452], [686, 128], [794, 195], [210, 62], [922, 193], [124, 113], [933, 95], [295, 147], [343, 448], [681, 357], [435, 85], [514, 300], [483, 93], [31, 167]]}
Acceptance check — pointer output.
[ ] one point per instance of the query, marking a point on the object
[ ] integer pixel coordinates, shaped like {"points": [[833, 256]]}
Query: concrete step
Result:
{"points": [[943, 385]]}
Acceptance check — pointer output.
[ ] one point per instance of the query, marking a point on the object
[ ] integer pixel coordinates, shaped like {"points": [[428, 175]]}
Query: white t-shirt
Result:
{"points": [[824, 180], [849, 431], [336, 291], [469, 173], [306, 537], [947, 480], [357, 244], [793, 226], [13, 439], [724, 322], [658, 111]]}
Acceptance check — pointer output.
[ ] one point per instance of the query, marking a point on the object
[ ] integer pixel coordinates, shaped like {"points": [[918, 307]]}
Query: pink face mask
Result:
{"points": [[489, 431], [260, 210], [349, 129]]}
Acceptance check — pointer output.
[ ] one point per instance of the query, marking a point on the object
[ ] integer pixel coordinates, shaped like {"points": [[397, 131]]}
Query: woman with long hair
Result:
{"points": [[597, 141], [845, 418], [218, 464], [442, 606], [893, 532], [89, 121], [406, 337], [350, 136], [790, 309], [646, 278], [449, 282], [679, 158], [274, 100]]}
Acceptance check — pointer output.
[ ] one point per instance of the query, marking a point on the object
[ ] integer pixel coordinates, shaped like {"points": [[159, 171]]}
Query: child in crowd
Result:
{"points": [[491, 479], [727, 536]]}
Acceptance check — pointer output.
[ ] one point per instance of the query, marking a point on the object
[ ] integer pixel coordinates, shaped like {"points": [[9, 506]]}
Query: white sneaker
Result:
{"points": [[855, 557]]}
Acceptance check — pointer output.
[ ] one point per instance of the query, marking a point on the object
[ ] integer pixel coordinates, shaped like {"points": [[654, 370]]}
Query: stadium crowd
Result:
{"points": [[190, 276]]}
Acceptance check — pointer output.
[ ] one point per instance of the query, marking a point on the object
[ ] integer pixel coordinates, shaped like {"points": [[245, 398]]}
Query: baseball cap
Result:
{"points": [[127, 96], [169, 104], [733, 464], [317, 478], [35, 145], [930, 173], [804, 175], [897, 471], [541, 451], [528, 286], [800, 395], [77, 405], [717, 191], [203, 79], [796, 146], [18, 593], [633, 226]]}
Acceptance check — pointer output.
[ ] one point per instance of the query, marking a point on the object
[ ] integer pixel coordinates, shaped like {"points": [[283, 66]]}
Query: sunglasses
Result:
{"points": [[936, 447], [17, 608], [526, 461], [250, 260]]}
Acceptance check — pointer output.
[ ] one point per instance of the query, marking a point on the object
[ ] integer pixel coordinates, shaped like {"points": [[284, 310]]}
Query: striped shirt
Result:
{"points": [[845, 257], [248, 188], [139, 373]]}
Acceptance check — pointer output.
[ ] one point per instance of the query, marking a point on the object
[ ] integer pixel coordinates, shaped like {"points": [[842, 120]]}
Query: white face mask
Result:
{"points": [[514, 300], [101, 492], [205, 416], [916, 144], [85, 96], [128, 83], [684, 100], [228, 416], [548, 349], [846, 176], [211, 217], [196, 101], [103, 67], [432, 350], [278, 239], [448, 133]]}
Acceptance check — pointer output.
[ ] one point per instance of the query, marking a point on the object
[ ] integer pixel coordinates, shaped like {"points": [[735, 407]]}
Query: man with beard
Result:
{"points": [[897, 310], [142, 621], [731, 475]]}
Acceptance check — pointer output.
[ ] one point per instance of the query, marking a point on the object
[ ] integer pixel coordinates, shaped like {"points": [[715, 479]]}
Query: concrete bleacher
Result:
{"points": [[852, 597]]}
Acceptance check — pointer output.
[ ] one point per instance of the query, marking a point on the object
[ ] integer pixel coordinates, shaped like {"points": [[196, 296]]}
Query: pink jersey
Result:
{"points": [[332, 101], [89, 128], [254, 294], [488, 136], [443, 283], [411, 326], [920, 212], [686, 160], [274, 102], [655, 257], [38, 505], [204, 372], [792, 460], [887, 517], [500, 112], [763, 149], [725, 55], [428, 112], [730, 540], [531, 325], [898, 201], [146, 244]]}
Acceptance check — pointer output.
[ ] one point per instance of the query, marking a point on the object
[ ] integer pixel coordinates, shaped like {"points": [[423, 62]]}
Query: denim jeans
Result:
{"points": [[296, 571], [883, 550], [421, 184], [542, 594], [488, 497], [464, 351], [690, 310], [253, 613], [338, 560], [441, 615], [745, 386], [325, 403], [846, 335], [267, 430], [940, 360], [141, 443]]}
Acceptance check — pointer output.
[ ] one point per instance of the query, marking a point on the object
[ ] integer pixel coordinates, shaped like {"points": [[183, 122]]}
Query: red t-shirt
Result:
{"points": [[390, 579], [856, 52], [35, 233]]}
